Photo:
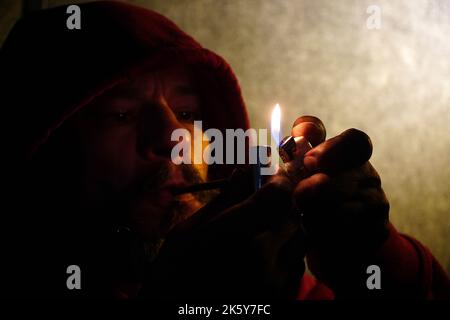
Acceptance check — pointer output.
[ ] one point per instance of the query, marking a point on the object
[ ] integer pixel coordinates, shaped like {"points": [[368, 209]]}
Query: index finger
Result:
{"points": [[350, 149]]}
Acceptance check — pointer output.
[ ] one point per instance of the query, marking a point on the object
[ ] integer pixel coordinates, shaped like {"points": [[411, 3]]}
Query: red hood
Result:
{"points": [[49, 72]]}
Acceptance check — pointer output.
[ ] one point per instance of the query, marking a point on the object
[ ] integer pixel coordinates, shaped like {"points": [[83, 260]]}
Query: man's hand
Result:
{"points": [[344, 207], [236, 246], [241, 246]]}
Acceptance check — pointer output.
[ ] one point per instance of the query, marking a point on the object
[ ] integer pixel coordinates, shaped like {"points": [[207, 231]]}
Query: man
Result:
{"points": [[92, 182]]}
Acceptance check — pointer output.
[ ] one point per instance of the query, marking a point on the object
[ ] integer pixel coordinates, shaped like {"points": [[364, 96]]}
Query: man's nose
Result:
{"points": [[155, 131]]}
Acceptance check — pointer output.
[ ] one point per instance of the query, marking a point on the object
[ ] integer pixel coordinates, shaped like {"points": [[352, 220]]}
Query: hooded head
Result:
{"points": [[57, 82], [48, 72]]}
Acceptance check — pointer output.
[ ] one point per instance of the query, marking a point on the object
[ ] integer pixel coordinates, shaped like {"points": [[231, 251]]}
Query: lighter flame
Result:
{"points": [[275, 126]]}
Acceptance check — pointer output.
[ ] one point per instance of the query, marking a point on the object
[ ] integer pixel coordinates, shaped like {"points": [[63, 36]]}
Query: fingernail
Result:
{"points": [[312, 131], [304, 125]]}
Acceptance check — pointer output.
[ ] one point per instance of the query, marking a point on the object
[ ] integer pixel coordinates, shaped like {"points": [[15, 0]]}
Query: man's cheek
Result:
{"points": [[196, 135], [111, 163], [202, 170]]}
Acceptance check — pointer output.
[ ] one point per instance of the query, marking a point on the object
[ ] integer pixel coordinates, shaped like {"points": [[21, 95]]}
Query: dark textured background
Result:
{"points": [[318, 57]]}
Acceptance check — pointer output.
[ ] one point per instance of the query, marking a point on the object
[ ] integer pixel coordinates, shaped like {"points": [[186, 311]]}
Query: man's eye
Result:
{"points": [[121, 116], [187, 116]]}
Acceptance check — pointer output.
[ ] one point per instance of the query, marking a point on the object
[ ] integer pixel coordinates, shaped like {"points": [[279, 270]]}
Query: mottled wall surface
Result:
{"points": [[9, 12], [318, 57]]}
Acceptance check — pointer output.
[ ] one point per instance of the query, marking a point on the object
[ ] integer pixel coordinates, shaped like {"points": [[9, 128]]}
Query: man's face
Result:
{"points": [[126, 143]]}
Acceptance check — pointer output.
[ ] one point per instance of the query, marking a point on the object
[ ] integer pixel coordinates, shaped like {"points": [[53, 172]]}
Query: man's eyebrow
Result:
{"points": [[123, 91], [185, 90], [136, 92]]}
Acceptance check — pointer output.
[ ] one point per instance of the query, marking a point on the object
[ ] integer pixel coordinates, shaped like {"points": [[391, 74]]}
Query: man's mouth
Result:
{"points": [[172, 187], [168, 193], [173, 184]]}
